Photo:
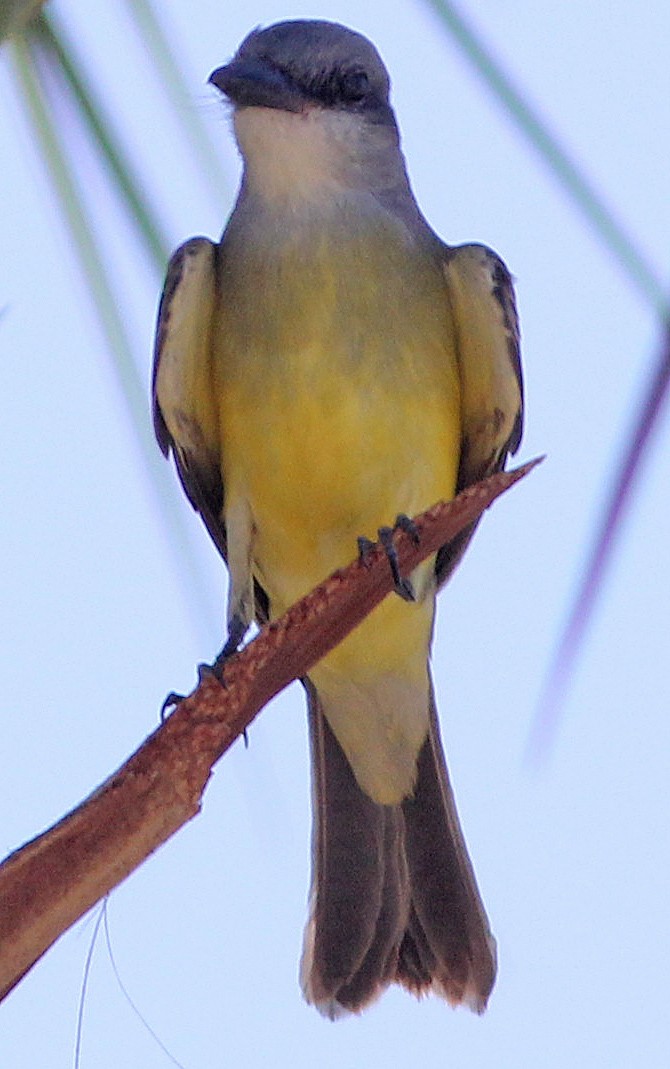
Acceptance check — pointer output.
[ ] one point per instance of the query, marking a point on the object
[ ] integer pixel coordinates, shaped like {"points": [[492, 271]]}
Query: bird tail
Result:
{"points": [[393, 897]]}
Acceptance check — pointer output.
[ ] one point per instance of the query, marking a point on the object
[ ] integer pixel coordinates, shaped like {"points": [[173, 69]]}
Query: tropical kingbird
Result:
{"points": [[330, 364]]}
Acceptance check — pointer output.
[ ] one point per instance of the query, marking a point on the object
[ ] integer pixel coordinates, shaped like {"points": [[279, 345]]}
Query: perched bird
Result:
{"points": [[330, 364]]}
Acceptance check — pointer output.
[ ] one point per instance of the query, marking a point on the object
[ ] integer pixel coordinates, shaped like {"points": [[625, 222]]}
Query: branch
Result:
{"points": [[49, 883]]}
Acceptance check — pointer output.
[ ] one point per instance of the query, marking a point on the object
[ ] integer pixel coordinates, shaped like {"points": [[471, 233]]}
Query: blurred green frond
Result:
{"points": [[563, 167], [169, 70], [14, 14], [623, 250], [28, 66], [101, 128], [608, 530], [43, 59]]}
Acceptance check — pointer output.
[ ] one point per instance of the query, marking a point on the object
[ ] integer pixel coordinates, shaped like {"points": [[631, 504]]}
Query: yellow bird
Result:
{"points": [[329, 365]]}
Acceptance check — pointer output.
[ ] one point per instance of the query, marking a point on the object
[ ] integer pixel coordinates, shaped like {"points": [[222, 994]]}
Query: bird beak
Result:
{"points": [[249, 83]]}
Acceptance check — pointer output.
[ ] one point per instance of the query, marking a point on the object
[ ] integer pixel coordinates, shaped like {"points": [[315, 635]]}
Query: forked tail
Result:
{"points": [[394, 897]]}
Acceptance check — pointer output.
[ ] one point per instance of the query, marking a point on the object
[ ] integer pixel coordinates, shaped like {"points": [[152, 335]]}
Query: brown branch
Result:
{"points": [[53, 880]]}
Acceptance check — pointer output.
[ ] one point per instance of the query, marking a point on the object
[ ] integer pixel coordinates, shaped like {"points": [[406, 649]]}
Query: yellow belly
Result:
{"points": [[321, 465]]}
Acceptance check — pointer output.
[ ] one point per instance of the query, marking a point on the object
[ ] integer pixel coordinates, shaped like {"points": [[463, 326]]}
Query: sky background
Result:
{"points": [[99, 621]]}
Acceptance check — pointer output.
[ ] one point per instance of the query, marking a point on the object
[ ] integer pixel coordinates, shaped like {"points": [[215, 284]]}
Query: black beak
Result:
{"points": [[251, 83]]}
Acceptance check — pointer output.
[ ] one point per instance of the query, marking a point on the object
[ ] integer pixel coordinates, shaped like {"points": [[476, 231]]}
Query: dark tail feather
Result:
{"points": [[448, 945], [359, 900], [393, 894]]}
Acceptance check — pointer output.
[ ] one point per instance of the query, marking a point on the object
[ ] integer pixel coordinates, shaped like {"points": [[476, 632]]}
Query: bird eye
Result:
{"points": [[354, 85]]}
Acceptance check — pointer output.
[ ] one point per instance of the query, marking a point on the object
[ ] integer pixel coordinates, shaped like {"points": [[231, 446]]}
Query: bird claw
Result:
{"points": [[173, 699], [211, 671], [403, 587], [237, 629], [405, 590], [236, 632], [365, 548], [407, 524]]}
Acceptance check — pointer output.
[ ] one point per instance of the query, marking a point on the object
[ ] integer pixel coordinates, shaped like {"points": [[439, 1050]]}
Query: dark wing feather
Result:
{"points": [[483, 306], [184, 412]]}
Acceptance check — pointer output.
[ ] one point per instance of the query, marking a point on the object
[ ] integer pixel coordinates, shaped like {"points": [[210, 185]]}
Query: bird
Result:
{"points": [[328, 365]]}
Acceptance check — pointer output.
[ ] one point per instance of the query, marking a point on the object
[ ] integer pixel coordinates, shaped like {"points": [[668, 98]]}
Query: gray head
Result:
{"points": [[295, 65], [312, 118]]}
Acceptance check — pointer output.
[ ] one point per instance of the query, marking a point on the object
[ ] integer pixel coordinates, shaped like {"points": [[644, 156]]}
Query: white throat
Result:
{"points": [[310, 155]]}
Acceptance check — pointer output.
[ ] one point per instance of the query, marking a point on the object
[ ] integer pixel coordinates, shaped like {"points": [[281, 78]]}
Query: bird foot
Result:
{"points": [[403, 587], [236, 632]]}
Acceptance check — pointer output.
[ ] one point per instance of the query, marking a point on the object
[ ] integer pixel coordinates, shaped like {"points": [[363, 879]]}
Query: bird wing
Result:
{"points": [[481, 296], [184, 412]]}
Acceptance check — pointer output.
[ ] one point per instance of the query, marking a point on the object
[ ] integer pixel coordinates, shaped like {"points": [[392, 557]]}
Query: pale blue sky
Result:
{"points": [[573, 859]]}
